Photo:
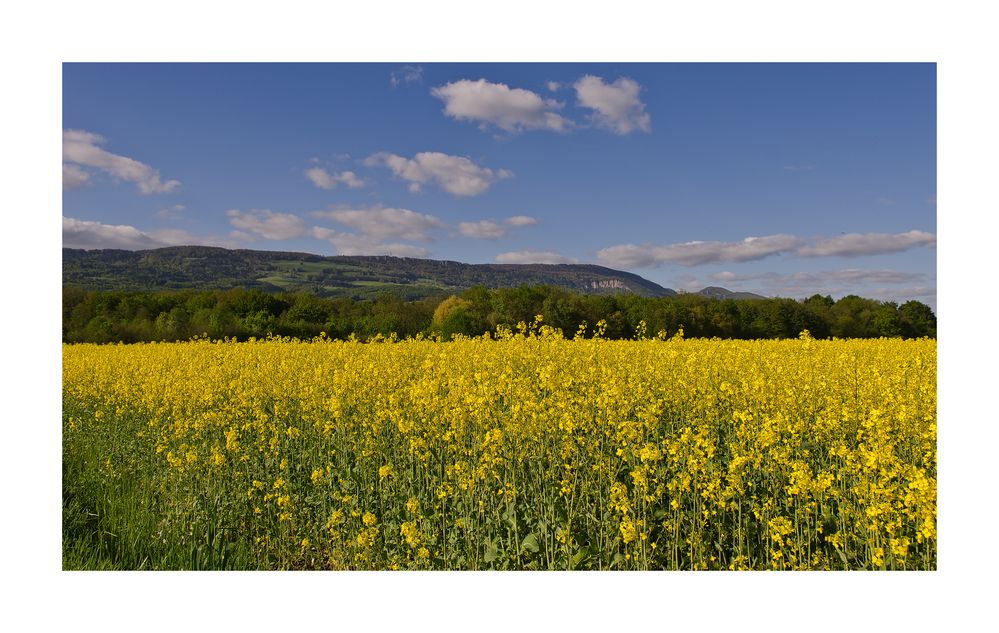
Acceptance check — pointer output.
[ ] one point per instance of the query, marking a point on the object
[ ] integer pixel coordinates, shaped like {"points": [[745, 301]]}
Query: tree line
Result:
{"points": [[113, 316]]}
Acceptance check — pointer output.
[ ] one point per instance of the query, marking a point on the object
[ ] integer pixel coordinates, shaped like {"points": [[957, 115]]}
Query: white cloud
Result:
{"points": [[553, 86], [533, 257], [267, 224], [615, 106], [456, 175], [695, 253], [73, 177], [81, 148], [482, 230], [509, 109], [406, 75], [861, 244], [521, 220], [386, 222], [799, 167], [90, 235], [328, 180], [354, 244]]}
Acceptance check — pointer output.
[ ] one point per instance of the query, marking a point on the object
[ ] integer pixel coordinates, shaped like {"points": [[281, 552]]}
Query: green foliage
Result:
{"points": [[103, 317]]}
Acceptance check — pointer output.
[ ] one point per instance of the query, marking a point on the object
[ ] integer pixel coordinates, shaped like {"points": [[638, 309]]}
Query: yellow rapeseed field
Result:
{"points": [[523, 450]]}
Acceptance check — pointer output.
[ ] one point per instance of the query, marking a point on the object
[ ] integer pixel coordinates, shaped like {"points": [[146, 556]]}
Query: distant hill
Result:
{"points": [[211, 268], [714, 292]]}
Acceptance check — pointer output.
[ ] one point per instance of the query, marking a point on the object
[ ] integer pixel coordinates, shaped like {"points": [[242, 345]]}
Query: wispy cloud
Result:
{"points": [[88, 234], [482, 230], [73, 177], [498, 105], [493, 230], [616, 106], [808, 167], [268, 224], [852, 276], [406, 75], [521, 220], [533, 257], [82, 149], [456, 175], [386, 222], [373, 227], [328, 180], [347, 243], [862, 244], [883, 284], [174, 212], [696, 253]]}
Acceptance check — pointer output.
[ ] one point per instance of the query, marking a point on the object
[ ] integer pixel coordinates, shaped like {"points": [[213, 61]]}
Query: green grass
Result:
{"points": [[114, 517]]}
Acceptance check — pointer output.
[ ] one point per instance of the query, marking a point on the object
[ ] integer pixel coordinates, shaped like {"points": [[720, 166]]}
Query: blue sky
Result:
{"points": [[783, 179]]}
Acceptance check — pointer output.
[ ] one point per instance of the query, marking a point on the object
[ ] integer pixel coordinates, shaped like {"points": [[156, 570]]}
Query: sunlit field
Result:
{"points": [[524, 450]]}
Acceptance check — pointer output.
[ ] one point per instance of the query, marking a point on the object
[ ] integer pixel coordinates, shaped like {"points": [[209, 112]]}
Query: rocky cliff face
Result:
{"points": [[608, 284]]}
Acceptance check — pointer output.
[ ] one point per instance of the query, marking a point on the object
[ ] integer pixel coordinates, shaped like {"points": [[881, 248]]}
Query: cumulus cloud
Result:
{"points": [[456, 175], [386, 222], [81, 148], [406, 75], [695, 253], [521, 220], [267, 224], [347, 243], [90, 235], [861, 244], [496, 104], [533, 257], [553, 86], [328, 180], [482, 230], [73, 177], [616, 106]]}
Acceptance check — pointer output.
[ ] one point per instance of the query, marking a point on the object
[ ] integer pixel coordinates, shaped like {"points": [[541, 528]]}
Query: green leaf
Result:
{"points": [[842, 556], [581, 554], [530, 543], [492, 552]]}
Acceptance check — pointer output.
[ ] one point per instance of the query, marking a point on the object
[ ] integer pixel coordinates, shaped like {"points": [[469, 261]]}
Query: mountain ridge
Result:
{"points": [[356, 276]]}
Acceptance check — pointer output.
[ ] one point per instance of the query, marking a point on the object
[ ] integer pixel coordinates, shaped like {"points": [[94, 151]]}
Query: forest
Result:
{"points": [[130, 316]]}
